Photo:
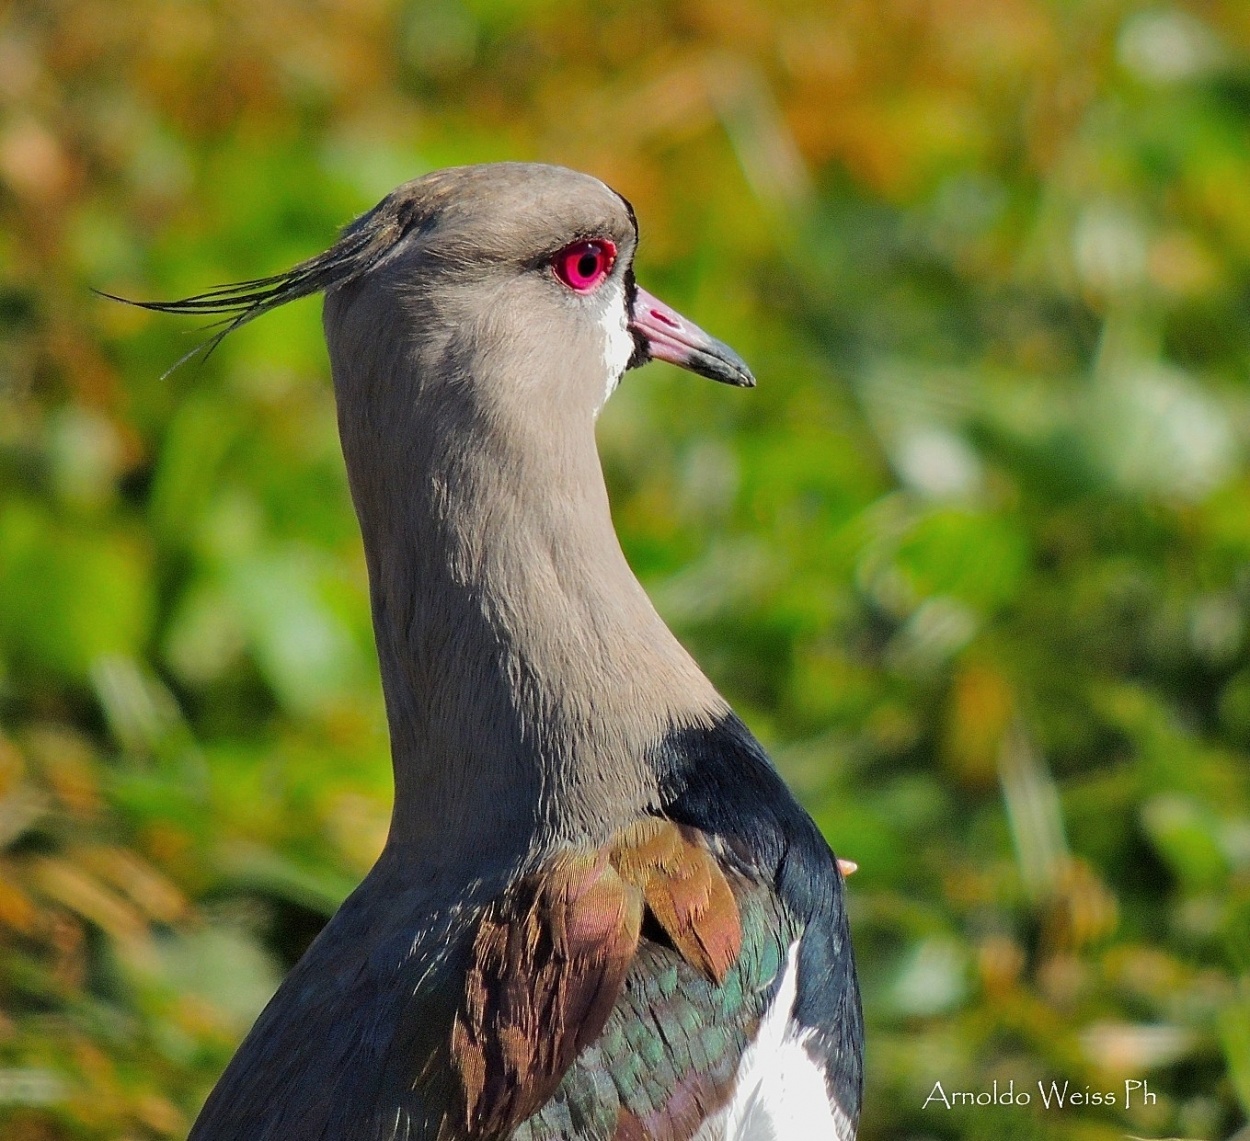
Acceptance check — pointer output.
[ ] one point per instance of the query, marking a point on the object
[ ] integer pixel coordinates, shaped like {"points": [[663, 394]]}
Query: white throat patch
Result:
{"points": [[618, 341]]}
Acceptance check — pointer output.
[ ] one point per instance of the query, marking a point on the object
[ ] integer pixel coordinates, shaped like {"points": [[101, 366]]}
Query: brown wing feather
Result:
{"points": [[685, 890], [550, 956], [548, 962]]}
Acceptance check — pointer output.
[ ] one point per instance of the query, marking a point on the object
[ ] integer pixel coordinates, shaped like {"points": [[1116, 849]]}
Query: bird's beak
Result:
{"points": [[663, 334]]}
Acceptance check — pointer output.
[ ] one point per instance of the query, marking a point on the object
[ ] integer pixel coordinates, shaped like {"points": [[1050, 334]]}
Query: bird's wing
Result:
{"points": [[573, 966]]}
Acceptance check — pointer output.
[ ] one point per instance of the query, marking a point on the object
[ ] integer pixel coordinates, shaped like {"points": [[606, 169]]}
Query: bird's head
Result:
{"points": [[503, 275]]}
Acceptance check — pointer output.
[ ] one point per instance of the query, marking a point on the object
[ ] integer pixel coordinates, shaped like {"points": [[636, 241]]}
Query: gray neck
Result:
{"points": [[526, 673]]}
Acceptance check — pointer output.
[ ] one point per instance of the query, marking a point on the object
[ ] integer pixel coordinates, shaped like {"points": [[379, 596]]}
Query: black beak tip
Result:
{"points": [[743, 380], [719, 362]]}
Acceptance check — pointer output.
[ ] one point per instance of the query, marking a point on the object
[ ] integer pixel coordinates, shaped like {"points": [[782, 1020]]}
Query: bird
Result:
{"points": [[599, 914]]}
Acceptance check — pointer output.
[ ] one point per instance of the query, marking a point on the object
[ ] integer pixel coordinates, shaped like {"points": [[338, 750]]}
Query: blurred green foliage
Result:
{"points": [[974, 559]]}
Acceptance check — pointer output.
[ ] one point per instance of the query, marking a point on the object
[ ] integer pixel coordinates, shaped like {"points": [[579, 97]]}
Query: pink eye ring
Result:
{"points": [[583, 265]]}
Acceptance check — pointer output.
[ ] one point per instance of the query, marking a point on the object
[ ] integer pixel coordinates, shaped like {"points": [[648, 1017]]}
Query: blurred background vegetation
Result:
{"points": [[972, 560]]}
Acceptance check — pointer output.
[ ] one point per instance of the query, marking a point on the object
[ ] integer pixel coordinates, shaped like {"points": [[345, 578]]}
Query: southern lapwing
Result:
{"points": [[599, 914]]}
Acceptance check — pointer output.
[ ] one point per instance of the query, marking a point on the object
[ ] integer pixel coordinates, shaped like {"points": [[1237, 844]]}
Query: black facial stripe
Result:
{"points": [[642, 350]]}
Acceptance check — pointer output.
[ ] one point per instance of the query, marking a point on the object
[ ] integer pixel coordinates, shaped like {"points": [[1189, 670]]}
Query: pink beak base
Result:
{"points": [[667, 336]]}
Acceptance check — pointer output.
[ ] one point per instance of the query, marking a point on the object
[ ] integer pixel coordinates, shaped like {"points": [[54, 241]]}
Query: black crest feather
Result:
{"points": [[361, 247]]}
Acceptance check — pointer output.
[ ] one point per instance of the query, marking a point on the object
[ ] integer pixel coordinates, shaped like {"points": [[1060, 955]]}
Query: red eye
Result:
{"points": [[583, 265]]}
